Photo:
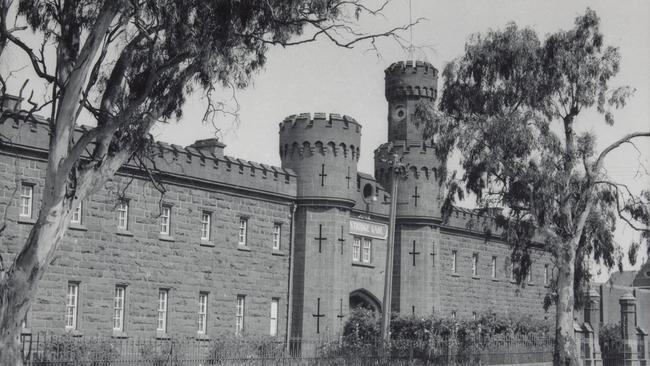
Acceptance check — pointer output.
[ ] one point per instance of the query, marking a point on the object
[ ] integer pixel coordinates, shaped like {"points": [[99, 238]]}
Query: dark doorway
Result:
{"points": [[362, 298]]}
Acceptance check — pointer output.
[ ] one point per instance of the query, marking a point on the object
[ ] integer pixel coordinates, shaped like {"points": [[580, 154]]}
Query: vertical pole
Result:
{"points": [[388, 273], [290, 285]]}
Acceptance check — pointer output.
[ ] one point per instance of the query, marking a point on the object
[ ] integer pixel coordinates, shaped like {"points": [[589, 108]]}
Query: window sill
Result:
{"points": [[119, 334], [366, 265], [26, 220], [454, 274], [513, 281], [206, 243], [495, 280], [202, 337], [74, 332], [165, 237], [26, 331], [122, 232], [475, 277], [243, 248], [78, 227], [162, 335], [278, 253]]}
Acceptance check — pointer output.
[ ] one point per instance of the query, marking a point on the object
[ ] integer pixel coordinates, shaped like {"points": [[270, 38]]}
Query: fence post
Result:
{"points": [[592, 317], [628, 329]]}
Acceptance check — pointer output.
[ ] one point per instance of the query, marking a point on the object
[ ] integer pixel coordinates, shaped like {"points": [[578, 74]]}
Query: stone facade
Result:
{"points": [[332, 223]]}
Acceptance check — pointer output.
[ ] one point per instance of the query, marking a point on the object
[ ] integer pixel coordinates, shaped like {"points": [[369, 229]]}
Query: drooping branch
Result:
{"points": [[620, 208]]}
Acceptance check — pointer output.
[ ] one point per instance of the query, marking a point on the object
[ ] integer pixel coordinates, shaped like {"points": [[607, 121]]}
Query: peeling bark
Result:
{"points": [[565, 352], [20, 282]]}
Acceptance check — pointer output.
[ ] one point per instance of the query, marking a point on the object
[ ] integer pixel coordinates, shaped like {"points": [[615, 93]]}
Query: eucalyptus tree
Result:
{"points": [[129, 64], [510, 106]]}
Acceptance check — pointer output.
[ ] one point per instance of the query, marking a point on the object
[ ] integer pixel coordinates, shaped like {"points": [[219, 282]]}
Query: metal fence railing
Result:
{"points": [[65, 350]]}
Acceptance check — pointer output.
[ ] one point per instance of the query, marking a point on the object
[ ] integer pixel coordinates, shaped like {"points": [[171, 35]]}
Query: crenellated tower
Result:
{"points": [[323, 151], [415, 277], [407, 85]]}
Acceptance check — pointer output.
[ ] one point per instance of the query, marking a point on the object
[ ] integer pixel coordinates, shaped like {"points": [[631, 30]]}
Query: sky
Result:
{"points": [[321, 77]]}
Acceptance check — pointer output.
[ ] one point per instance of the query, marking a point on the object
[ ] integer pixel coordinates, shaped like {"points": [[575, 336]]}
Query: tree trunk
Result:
{"points": [[565, 353], [19, 284]]}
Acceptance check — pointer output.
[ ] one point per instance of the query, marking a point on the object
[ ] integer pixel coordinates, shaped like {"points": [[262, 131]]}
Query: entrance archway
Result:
{"points": [[363, 298]]}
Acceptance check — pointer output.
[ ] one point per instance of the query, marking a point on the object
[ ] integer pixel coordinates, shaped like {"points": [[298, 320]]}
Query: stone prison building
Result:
{"points": [[236, 246]]}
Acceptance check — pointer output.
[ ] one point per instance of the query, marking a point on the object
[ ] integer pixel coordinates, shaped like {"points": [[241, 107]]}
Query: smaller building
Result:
{"points": [[619, 284]]}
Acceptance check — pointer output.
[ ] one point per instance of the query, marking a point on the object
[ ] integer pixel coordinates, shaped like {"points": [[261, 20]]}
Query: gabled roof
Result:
{"points": [[642, 278]]}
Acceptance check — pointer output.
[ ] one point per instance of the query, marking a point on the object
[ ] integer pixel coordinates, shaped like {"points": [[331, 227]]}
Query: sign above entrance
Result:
{"points": [[369, 229]]}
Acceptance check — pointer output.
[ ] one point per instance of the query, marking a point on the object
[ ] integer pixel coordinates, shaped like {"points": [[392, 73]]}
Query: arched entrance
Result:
{"points": [[362, 298]]}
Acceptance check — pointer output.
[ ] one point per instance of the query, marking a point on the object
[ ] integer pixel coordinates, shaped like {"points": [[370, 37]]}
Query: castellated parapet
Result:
{"points": [[404, 79], [202, 163], [323, 151], [419, 193]]}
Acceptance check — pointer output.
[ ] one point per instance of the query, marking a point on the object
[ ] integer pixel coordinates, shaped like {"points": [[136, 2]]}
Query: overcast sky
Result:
{"points": [[320, 77]]}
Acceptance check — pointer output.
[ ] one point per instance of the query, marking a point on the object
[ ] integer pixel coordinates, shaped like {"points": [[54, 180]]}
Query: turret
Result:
{"points": [[407, 85], [323, 151]]}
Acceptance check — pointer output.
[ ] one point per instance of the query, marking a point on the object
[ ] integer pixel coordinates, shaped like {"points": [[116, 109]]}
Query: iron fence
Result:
{"points": [[64, 350]]}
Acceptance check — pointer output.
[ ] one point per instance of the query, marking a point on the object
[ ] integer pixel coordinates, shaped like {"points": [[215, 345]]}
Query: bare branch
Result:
{"points": [[597, 164]]}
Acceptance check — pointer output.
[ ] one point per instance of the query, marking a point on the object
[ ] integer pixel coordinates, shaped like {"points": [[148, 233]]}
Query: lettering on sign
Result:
{"points": [[369, 229]]}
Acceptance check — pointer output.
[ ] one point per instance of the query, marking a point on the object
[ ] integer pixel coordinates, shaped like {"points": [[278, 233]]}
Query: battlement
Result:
{"points": [[306, 121], [202, 161], [409, 79], [304, 135], [404, 66]]}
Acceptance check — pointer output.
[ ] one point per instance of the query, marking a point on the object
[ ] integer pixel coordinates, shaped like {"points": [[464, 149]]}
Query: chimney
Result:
{"points": [[210, 146]]}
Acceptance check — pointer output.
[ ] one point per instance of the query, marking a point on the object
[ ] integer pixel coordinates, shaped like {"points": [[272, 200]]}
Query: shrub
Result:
{"points": [[431, 338], [70, 351], [610, 339], [230, 346]]}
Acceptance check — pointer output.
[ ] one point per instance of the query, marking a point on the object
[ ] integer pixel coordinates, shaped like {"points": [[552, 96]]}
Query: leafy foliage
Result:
{"points": [[363, 325], [441, 340], [500, 102], [70, 351], [510, 106], [610, 338]]}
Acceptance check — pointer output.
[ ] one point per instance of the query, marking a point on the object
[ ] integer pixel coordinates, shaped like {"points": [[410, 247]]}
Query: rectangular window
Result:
{"points": [[239, 316], [165, 220], [546, 274], [118, 308], [453, 314], [473, 315], [453, 261], [162, 310], [494, 267], [72, 299], [123, 215], [274, 317], [243, 228], [530, 275], [76, 214], [26, 200], [206, 220], [475, 264], [356, 249], [277, 229], [203, 313], [366, 250]]}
